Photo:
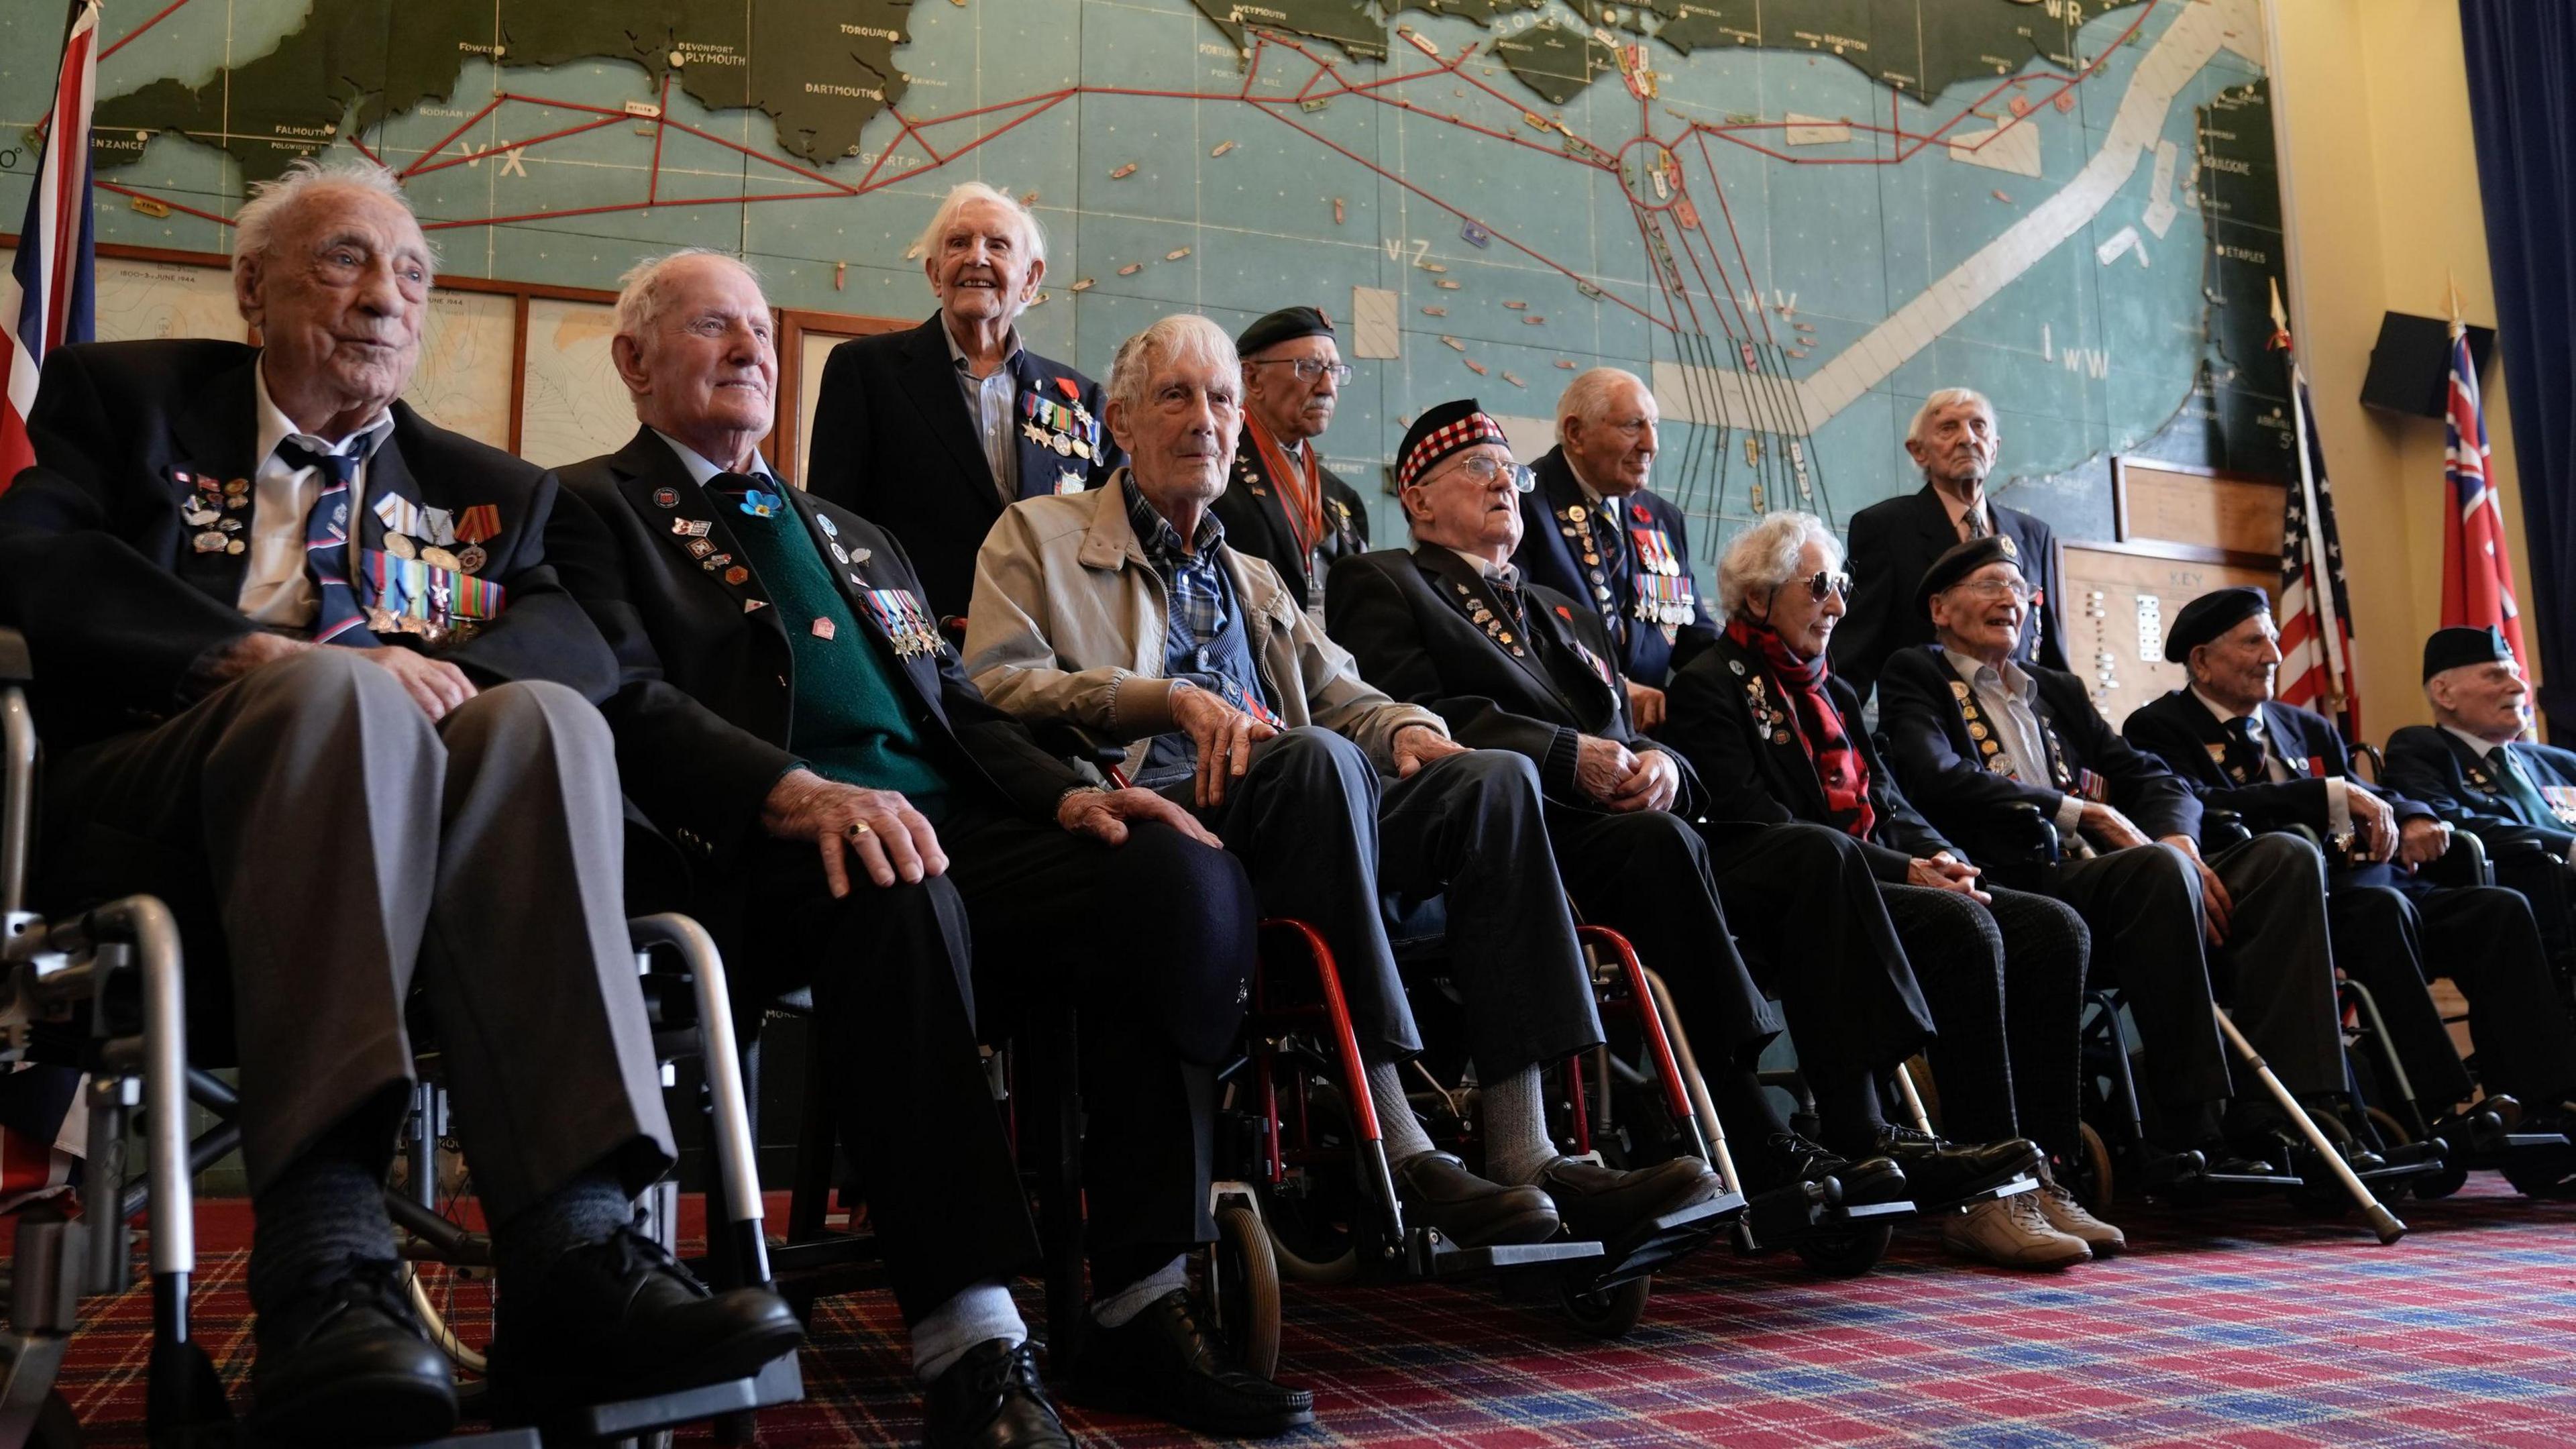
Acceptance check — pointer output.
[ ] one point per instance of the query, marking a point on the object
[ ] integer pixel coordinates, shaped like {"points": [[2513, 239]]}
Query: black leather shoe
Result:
{"points": [[348, 1364], [1943, 1171], [992, 1399], [1161, 1363], [620, 1319], [1787, 1157], [1604, 1203], [1437, 1189]]}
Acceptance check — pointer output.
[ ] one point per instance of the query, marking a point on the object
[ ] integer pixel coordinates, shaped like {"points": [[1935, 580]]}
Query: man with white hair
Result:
{"points": [[302, 663], [932, 432], [1593, 529], [1953, 439], [1123, 611], [1283, 505], [859, 820]]}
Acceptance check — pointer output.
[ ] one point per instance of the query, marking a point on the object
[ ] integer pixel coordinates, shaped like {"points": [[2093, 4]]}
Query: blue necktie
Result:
{"points": [[326, 538]]}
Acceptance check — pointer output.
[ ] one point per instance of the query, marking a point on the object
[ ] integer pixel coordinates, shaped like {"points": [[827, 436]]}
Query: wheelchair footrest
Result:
{"points": [[494, 1439], [1660, 1241], [2241, 1182], [2536, 1141], [778, 1382], [1431, 1255]]}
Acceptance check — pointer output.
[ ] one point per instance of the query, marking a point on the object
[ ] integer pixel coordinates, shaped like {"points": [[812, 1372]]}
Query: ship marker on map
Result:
{"points": [[1123, 172]]}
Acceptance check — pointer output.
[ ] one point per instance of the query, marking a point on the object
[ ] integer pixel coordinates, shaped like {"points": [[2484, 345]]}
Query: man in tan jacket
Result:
{"points": [[1123, 611]]}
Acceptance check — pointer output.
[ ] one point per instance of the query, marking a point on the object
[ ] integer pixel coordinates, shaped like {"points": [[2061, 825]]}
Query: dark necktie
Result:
{"points": [[2517, 786], [1509, 594], [326, 537], [2247, 754], [1972, 524]]}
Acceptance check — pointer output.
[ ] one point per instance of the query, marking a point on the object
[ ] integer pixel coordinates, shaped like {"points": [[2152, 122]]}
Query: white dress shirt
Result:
{"points": [[988, 407], [2006, 697], [2276, 769], [275, 588]]}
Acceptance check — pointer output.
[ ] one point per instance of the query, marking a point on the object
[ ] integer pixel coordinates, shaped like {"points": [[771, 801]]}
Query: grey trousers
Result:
{"points": [[339, 849]]}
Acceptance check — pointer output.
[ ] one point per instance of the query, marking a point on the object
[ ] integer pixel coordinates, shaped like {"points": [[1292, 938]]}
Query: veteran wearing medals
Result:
{"points": [[1124, 612], [2472, 764], [854, 809], [2280, 767], [307, 674], [1593, 529], [1283, 505], [1513, 665], [1953, 440], [1777, 737], [1972, 733], [933, 431]]}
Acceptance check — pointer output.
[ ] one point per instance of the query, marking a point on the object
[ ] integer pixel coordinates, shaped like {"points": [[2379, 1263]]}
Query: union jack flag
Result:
{"points": [[45, 301], [2315, 611], [2477, 579]]}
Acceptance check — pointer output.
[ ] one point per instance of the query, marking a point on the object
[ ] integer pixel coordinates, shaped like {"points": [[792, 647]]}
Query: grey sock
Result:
{"points": [[1396, 1123], [582, 1212], [1115, 1310], [1516, 1140], [977, 1315], [324, 1210]]}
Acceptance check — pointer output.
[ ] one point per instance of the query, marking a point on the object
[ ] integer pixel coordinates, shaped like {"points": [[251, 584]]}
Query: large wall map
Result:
{"points": [[1798, 216]]}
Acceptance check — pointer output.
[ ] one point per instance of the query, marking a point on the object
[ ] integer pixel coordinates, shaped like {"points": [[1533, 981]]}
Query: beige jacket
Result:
{"points": [[1068, 624]]}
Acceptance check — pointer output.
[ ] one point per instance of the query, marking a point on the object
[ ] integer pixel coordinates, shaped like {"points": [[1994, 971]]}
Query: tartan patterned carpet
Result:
{"points": [[2251, 1327]]}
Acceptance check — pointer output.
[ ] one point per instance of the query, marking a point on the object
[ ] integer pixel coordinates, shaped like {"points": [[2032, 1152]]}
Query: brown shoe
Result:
{"points": [[1605, 1203], [1437, 1189], [2068, 1216]]}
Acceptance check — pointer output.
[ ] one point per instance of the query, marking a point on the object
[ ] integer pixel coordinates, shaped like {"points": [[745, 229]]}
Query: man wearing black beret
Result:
{"points": [[1283, 505], [1972, 733], [2279, 767], [2471, 765]]}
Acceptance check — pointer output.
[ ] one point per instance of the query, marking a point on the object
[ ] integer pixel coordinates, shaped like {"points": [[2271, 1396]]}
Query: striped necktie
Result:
{"points": [[326, 539]]}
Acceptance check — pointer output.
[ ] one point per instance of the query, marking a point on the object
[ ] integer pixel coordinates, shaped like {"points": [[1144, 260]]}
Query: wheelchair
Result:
{"points": [[103, 992]]}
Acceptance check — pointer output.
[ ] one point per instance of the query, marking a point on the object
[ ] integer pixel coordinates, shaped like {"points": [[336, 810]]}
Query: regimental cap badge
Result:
{"points": [[2010, 549]]}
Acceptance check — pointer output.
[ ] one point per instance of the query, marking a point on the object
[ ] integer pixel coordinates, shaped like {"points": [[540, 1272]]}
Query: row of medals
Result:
{"points": [[1068, 442], [1573, 523], [217, 533]]}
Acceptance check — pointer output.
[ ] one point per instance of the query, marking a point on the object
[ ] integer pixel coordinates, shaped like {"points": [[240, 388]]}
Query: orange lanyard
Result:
{"points": [[1303, 491]]}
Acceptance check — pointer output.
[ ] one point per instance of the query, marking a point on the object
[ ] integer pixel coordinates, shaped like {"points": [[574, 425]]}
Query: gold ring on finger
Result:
{"points": [[857, 829]]}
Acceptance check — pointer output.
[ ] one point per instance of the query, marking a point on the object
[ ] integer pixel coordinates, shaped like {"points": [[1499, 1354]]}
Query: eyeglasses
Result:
{"points": [[1482, 468], [2021, 592], [1309, 368], [1826, 582]]}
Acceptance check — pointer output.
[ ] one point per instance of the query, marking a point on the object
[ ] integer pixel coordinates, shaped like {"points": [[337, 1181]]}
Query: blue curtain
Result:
{"points": [[2522, 102]]}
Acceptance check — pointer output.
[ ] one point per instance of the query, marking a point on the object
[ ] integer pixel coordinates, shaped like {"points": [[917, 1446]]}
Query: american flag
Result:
{"points": [[2315, 611], [45, 301], [2477, 579]]}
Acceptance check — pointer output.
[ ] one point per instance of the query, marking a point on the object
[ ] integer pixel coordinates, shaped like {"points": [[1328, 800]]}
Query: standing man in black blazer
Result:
{"points": [[934, 431], [1593, 530], [2280, 767], [1973, 734], [1283, 505], [793, 716], [1953, 440], [1513, 665], [307, 674]]}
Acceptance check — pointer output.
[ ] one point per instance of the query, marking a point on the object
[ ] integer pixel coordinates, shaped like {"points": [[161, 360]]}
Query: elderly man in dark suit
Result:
{"points": [[2472, 764], [2281, 767], [1283, 505], [307, 673], [1973, 734], [1953, 440], [1514, 665], [932, 432], [855, 810], [1593, 530]]}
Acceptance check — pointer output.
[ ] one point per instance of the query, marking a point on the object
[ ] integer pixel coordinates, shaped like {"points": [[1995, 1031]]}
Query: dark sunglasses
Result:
{"points": [[1830, 583]]}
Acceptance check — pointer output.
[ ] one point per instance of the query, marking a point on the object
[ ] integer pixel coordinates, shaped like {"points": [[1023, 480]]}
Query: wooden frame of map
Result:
{"points": [[2185, 511], [806, 336]]}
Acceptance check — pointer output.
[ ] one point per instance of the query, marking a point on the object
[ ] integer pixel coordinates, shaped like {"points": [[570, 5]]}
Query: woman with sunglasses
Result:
{"points": [[1775, 737]]}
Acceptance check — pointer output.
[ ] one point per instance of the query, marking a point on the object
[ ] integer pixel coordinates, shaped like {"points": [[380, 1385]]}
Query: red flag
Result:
{"points": [[2477, 579]]}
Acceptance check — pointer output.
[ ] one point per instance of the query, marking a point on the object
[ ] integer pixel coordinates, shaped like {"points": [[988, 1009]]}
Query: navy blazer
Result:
{"points": [[1942, 769], [1752, 770], [1410, 622], [893, 442], [1647, 653], [1255, 514], [98, 568], [1893, 544], [2438, 768], [2178, 729], [708, 680]]}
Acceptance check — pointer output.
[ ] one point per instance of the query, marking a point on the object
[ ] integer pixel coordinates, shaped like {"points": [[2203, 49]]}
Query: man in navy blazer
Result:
{"points": [[2280, 767], [1953, 440], [2471, 765], [932, 432], [1594, 530]]}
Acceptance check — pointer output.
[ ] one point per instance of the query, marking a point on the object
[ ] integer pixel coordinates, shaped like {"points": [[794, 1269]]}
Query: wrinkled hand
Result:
{"points": [[1104, 814], [2422, 841], [892, 840], [2373, 822], [2111, 829], [1224, 735], [1651, 786], [2215, 904], [1946, 872], [1601, 766], [1645, 707], [1418, 745], [434, 684]]}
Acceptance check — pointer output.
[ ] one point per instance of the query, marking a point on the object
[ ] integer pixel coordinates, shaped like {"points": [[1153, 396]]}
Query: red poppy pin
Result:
{"points": [[1565, 613], [1070, 391], [1638, 511]]}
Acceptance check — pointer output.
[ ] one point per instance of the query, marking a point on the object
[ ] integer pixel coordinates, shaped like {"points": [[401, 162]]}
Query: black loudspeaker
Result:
{"points": [[2410, 366]]}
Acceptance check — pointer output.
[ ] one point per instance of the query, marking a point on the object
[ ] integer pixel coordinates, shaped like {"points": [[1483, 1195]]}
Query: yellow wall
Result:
{"points": [[2380, 186]]}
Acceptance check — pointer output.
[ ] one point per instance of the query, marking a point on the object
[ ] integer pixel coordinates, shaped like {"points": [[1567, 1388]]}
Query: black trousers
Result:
{"points": [[1327, 841], [1151, 942], [2006, 983], [2392, 933]]}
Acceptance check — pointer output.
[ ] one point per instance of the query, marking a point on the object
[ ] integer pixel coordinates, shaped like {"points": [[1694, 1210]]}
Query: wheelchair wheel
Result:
{"points": [[1846, 1254], [1609, 1313], [2455, 1169], [1243, 1290], [455, 1302], [2089, 1175], [2548, 1176]]}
